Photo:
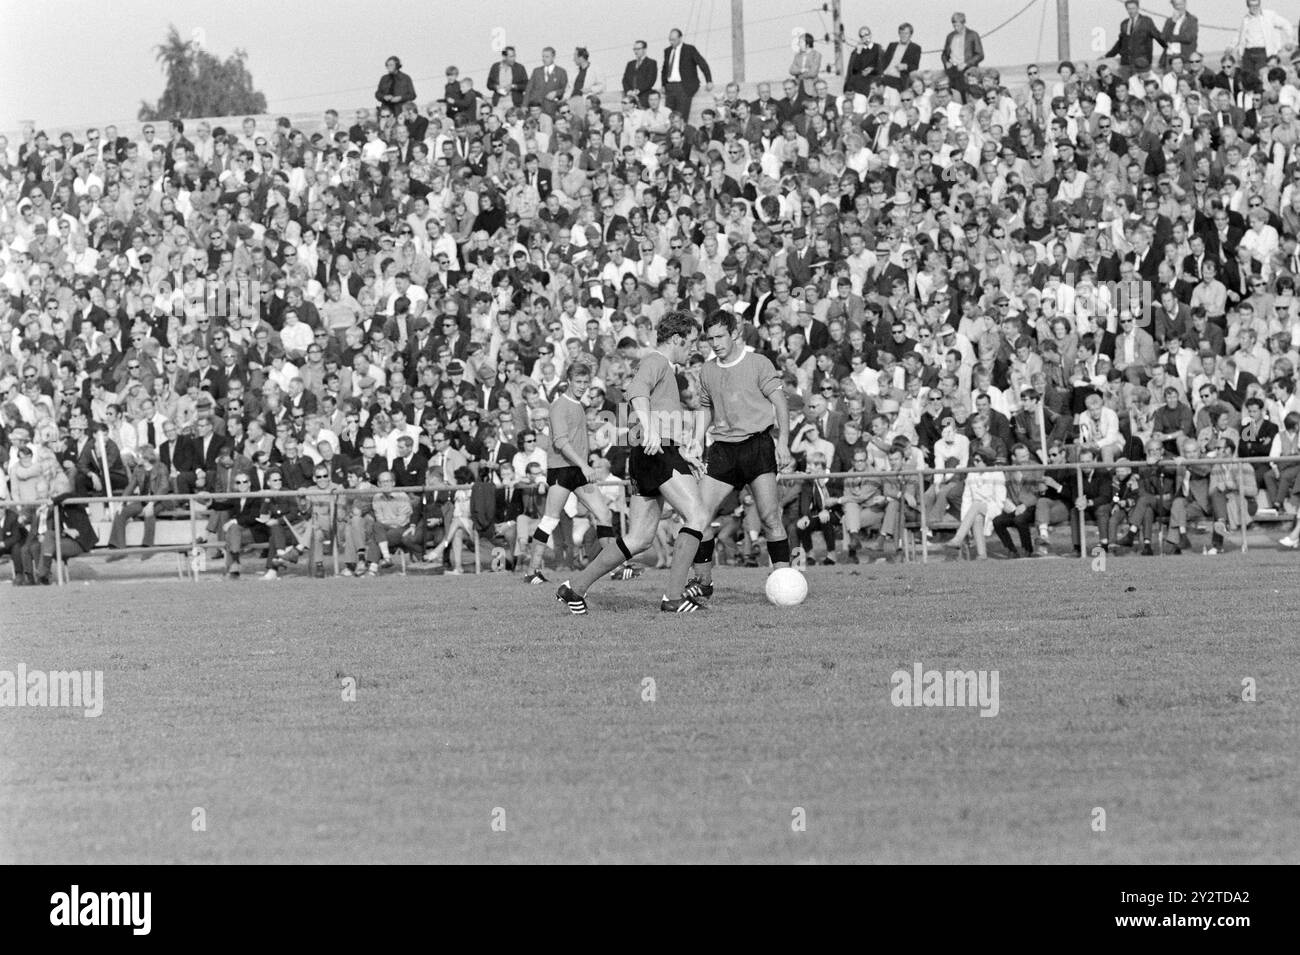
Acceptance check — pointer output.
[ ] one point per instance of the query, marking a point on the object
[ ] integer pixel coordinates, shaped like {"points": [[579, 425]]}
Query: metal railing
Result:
{"points": [[918, 474]]}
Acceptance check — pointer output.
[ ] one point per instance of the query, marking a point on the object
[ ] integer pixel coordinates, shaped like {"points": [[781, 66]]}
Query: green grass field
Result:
{"points": [[1119, 690]]}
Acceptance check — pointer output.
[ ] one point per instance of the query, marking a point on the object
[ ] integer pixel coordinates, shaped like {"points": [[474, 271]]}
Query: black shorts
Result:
{"points": [[570, 478], [738, 462], [649, 472]]}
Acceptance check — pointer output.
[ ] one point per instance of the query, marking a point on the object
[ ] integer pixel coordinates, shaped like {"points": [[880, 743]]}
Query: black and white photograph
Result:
{"points": [[703, 432]]}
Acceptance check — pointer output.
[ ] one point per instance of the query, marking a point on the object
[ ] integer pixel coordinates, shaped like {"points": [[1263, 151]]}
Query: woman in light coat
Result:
{"points": [[981, 502]]}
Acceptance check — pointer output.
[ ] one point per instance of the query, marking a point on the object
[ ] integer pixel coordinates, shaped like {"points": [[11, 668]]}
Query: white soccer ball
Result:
{"points": [[786, 587]]}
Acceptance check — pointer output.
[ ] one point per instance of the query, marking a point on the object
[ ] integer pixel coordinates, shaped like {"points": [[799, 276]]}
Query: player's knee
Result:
{"points": [[544, 528], [631, 545]]}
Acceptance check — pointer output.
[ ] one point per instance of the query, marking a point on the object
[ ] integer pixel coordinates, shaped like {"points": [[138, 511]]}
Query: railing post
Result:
{"points": [[58, 546], [920, 498], [1241, 503], [194, 543], [1083, 517], [333, 525]]}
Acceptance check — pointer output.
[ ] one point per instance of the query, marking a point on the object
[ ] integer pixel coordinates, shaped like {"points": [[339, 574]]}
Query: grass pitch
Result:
{"points": [[480, 698]]}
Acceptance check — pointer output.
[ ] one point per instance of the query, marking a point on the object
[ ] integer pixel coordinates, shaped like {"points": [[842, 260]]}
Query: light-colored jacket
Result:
{"points": [[988, 488]]}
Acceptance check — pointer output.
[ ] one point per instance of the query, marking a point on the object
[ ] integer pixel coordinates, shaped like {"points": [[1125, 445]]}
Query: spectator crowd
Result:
{"points": [[950, 269]]}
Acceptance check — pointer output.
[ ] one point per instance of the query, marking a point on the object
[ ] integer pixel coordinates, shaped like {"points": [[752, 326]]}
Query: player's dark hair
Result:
{"points": [[724, 317], [675, 323]]}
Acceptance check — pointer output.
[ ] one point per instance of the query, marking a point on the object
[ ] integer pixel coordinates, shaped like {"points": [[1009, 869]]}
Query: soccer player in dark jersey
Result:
{"points": [[658, 471], [744, 408], [567, 469]]}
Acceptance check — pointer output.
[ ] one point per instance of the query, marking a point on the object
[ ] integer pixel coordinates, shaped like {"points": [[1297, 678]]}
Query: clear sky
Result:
{"points": [[92, 61]]}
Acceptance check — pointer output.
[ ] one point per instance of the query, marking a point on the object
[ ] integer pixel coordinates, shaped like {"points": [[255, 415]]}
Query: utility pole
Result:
{"points": [[738, 40], [837, 35], [1063, 29]]}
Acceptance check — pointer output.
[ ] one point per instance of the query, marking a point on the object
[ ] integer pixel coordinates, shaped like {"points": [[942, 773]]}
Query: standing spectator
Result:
{"points": [[507, 78], [395, 87], [587, 82], [547, 84], [1263, 33], [1136, 35], [1180, 34], [682, 67], [901, 59], [640, 75], [807, 66], [962, 50], [863, 70]]}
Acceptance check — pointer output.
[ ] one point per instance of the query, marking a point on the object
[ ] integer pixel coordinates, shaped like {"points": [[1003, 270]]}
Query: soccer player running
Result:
{"points": [[567, 470], [659, 471], [742, 401]]}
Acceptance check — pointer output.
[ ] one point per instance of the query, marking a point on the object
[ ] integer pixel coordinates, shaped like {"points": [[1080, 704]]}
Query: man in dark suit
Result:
{"points": [[640, 74], [507, 78], [197, 453], [901, 59], [1094, 500], [1179, 34], [547, 84], [495, 450], [864, 65], [800, 257], [170, 451], [963, 43], [93, 471], [239, 522], [408, 466], [534, 175], [682, 67], [1137, 34], [1236, 384]]}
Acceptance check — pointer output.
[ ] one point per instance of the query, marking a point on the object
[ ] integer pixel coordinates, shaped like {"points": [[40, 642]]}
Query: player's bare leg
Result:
{"points": [[767, 498], [684, 495], [556, 497], [643, 521], [712, 493]]}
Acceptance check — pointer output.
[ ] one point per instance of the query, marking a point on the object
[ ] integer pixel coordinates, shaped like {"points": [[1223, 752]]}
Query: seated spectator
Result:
{"points": [[241, 523], [1020, 506], [393, 526], [147, 477], [982, 499]]}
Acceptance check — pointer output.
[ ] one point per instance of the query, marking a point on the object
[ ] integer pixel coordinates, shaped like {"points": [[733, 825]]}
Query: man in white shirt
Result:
{"points": [[296, 336]]}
